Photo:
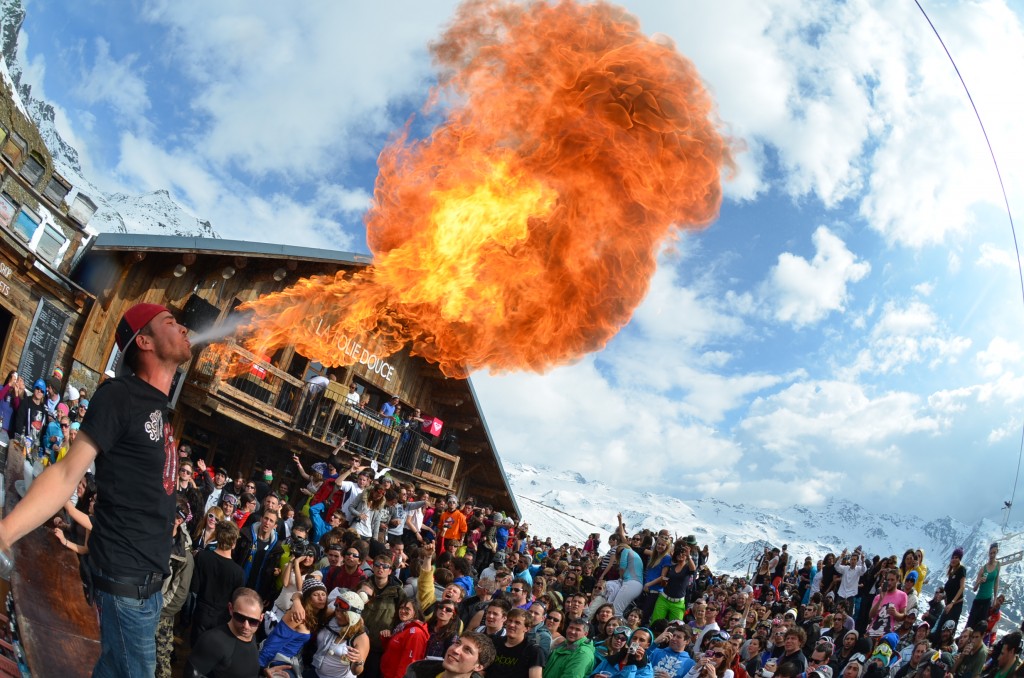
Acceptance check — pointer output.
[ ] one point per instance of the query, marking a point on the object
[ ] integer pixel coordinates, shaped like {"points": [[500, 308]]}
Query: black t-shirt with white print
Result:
{"points": [[135, 473]]}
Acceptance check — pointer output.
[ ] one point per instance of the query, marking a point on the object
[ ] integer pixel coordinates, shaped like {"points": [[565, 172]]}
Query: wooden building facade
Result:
{"points": [[259, 418], [43, 231]]}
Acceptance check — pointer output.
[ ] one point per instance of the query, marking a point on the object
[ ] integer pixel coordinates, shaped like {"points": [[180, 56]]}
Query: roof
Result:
{"points": [[176, 243]]}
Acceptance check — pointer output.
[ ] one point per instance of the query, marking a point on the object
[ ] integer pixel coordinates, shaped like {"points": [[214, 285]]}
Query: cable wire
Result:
{"points": [[1009, 214]]}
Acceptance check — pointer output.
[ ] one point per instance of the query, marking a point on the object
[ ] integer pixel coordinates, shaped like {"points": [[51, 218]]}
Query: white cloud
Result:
{"points": [[236, 210], [299, 92], [810, 416], [667, 303], [905, 334], [803, 292], [991, 255], [115, 82], [1004, 432], [1001, 356], [574, 414]]}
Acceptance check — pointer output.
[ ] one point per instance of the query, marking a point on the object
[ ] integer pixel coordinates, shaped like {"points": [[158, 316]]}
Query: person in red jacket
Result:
{"points": [[406, 643]]}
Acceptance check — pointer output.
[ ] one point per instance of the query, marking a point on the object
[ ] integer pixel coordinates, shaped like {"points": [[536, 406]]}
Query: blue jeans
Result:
{"points": [[127, 635]]}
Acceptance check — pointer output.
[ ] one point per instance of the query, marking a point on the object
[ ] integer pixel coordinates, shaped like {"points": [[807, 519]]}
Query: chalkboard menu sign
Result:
{"points": [[44, 336]]}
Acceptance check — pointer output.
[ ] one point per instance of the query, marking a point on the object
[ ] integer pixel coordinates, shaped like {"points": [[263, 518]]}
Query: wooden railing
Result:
{"points": [[327, 417], [256, 384]]}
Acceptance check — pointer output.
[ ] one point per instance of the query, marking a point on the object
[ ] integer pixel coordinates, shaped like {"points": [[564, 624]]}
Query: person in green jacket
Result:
{"points": [[575, 657]]}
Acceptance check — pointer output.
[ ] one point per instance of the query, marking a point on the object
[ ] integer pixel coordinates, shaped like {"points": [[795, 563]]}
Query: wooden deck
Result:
{"points": [[60, 633]]}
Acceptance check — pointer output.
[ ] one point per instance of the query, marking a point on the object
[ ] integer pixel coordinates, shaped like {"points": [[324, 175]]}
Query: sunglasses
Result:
{"points": [[717, 654], [517, 590], [242, 619], [382, 566], [211, 515], [64, 425], [352, 554], [446, 608], [342, 604]]}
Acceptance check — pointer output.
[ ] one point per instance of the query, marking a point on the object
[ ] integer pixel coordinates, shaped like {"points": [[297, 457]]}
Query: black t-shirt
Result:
{"points": [[215, 579], [953, 583], [219, 654], [514, 662], [679, 582], [30, 419], [135, 476]]}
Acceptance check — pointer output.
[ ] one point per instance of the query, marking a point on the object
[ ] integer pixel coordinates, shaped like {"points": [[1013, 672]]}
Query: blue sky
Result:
{"points": [[851, 326]]}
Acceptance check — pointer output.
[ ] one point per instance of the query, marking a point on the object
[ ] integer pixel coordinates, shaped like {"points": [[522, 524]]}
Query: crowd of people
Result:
{"points": [[353, 575]]}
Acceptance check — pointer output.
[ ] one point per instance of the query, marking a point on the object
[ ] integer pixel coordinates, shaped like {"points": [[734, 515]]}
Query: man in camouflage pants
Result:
{"points": [[175, 589]]}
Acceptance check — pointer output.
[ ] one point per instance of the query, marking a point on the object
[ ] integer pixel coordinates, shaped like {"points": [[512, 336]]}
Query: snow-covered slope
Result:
{"points": [[155, 212], [567, 507]]}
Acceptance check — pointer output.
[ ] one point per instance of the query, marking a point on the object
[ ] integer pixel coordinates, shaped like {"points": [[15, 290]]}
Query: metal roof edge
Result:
{"points": [[149, 241]]}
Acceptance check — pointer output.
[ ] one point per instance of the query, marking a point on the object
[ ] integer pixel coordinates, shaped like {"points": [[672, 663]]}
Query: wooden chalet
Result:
{"points": [[257, 420], [43, 230]]}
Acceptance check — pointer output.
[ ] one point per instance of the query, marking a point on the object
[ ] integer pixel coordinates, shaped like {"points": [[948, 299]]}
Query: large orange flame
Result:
{"points": [[523, 233]]}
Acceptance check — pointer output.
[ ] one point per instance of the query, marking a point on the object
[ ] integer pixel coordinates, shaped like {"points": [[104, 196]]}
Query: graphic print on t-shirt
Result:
{"points": [[37, 421], [170, 454]]}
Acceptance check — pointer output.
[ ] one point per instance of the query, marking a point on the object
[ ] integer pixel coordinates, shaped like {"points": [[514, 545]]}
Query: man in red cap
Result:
{"points": [[127, 434]]}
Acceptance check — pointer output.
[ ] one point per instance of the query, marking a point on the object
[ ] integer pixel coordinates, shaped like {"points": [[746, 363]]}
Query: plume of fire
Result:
{"points": [[524, 231]]}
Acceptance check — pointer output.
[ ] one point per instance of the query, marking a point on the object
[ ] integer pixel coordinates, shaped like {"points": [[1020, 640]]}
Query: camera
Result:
{"points": [[633, 647]]}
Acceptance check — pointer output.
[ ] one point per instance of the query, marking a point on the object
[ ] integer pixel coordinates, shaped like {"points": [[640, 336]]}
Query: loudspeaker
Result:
{"points": [[199, 314], [449, 443]]}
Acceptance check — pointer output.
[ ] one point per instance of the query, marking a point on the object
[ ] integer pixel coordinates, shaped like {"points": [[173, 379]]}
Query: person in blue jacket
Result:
{"points": [[630, 662]]}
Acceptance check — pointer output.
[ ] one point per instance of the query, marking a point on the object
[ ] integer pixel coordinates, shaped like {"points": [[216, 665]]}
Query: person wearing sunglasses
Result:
{"points": [[387, 595], [617, 638], [444, 627], [631, 660], [341, 642], [553, 622], [230, 649], [715, 662], [202, 537]]}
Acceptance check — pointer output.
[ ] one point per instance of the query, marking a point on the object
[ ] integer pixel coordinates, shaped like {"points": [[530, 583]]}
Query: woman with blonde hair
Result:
{"points": [[342, 643], [202, 537]]}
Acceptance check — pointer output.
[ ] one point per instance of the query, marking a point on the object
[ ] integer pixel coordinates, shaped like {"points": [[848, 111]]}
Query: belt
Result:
{"points": [[672, 600], [139, 588]]}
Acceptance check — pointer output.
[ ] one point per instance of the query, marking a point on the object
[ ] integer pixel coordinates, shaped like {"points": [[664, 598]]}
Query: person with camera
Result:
{"points": [[632, 661], [715, 662]]}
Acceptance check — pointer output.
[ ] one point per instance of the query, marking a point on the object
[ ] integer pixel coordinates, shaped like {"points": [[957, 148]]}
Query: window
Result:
{"points": [[57, 189], [26, 223], [15, 148], [50, 244], [33, 168], [8, 210]]}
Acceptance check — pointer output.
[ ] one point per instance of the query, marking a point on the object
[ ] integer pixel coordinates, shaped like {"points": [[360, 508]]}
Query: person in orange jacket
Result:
{"points": [[452, 524]]}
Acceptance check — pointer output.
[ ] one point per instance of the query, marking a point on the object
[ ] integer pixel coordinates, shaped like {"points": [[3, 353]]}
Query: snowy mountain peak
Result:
{"points": [[155, 213]]}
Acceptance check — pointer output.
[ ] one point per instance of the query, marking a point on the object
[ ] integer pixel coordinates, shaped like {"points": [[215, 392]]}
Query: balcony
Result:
{"points": [[265, 391]]}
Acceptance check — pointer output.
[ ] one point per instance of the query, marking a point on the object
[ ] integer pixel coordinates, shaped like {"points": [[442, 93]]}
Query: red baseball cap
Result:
{"points": [[132, 322]]}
